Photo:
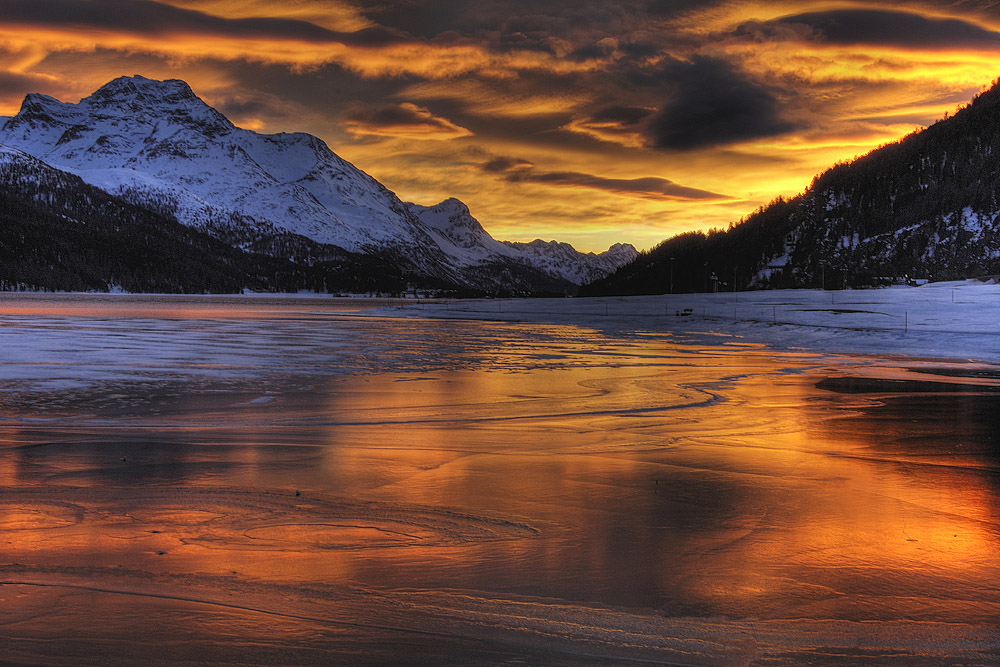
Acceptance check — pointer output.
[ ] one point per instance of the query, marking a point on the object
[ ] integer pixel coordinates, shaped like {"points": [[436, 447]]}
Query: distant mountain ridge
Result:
{"points": [[156, 144], [925, 207], [458, 233]]}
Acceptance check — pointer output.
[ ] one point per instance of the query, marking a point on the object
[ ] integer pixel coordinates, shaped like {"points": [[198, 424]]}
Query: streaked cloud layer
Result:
{"points": [[586, 121]]}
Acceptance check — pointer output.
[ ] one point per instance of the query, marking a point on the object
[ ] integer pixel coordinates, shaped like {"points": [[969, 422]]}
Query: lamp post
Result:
{"points": [[672, 274]]}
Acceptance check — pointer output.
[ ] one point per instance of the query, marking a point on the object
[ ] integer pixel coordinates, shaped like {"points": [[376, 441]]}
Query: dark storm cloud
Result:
{"points": [[233, 107], [532, 32], [243, 107], [429, 19], [405, 119], [616, 124], [329, 87], [17, 85], [639, 49], [712, 103], [651, 186], [502, 164], [594, 51], [673, 104], [620, 115], [385, 114], [376, 36], [517, 170], [672, 8], [148, 17], [518, 25], [882, 27]]}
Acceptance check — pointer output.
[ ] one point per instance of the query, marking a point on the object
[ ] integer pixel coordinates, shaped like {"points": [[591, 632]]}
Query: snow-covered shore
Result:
{"points": [[949, 320]]}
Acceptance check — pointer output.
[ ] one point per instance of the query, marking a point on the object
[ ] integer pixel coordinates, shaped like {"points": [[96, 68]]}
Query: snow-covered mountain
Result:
{"points": [[460, 235], [156, 143], [59, 233], [563, 259]]}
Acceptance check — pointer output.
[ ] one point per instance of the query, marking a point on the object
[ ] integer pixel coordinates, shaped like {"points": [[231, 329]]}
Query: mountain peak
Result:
{"points": [[136, 96], [453, 218], [162, 146], [622, 249], [454, 205], [37, 103], [39, 99], [126, 93], [139, 88]]}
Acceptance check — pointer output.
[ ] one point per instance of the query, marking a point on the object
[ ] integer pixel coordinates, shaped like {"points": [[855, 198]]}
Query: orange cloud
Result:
{"points": [[492, 96], [304, 34], [401, 120], [330, 14], [576, 102], [623, 130]]}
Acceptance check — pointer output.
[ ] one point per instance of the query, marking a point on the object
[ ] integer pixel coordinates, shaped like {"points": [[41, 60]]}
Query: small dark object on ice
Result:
{"points": [[124, 459], [298, 493]]}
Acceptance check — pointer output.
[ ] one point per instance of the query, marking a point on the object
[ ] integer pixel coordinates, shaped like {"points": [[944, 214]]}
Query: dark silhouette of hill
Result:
{"points": [[926, 206]]}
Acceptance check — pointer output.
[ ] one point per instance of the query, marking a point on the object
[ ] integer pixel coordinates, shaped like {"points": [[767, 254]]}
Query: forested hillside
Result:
{"points": [[58, 233], [924, 207]]}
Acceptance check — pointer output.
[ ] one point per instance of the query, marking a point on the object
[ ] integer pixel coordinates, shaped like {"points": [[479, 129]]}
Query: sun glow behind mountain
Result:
{"points": [[588, 122]]}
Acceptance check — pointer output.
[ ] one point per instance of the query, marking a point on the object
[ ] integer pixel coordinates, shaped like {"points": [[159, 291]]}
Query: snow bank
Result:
{"points": [[955, 320]]}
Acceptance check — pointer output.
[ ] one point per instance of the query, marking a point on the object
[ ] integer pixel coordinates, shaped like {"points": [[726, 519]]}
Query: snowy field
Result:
{"points": [[951, 320]]}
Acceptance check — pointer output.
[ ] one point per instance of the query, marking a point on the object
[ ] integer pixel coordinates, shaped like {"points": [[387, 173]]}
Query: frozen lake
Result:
{"points": [[289, 481]]}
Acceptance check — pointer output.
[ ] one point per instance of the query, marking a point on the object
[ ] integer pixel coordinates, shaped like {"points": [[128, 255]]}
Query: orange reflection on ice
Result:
{"points": [[175, 306], [702, 482]]}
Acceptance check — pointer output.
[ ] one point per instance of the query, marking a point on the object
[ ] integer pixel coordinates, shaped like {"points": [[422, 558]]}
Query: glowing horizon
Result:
{"points": [[588, 123]]}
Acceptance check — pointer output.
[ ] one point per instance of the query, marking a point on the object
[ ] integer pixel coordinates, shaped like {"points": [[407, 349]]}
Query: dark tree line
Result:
{"points": [[688, 262]]}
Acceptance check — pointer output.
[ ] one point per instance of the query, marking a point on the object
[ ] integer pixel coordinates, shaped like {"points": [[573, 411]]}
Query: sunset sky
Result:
{"points": [[584, 121]]}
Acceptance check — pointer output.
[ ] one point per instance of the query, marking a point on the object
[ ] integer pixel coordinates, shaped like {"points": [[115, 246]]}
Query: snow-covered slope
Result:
{"points": [[460, 235], [159, 138], [156, 142], [10, 155], [561, 258]]}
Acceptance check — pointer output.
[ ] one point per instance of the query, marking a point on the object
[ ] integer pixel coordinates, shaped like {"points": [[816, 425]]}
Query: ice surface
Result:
{"points": [[261, 480], [956, 320]]}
